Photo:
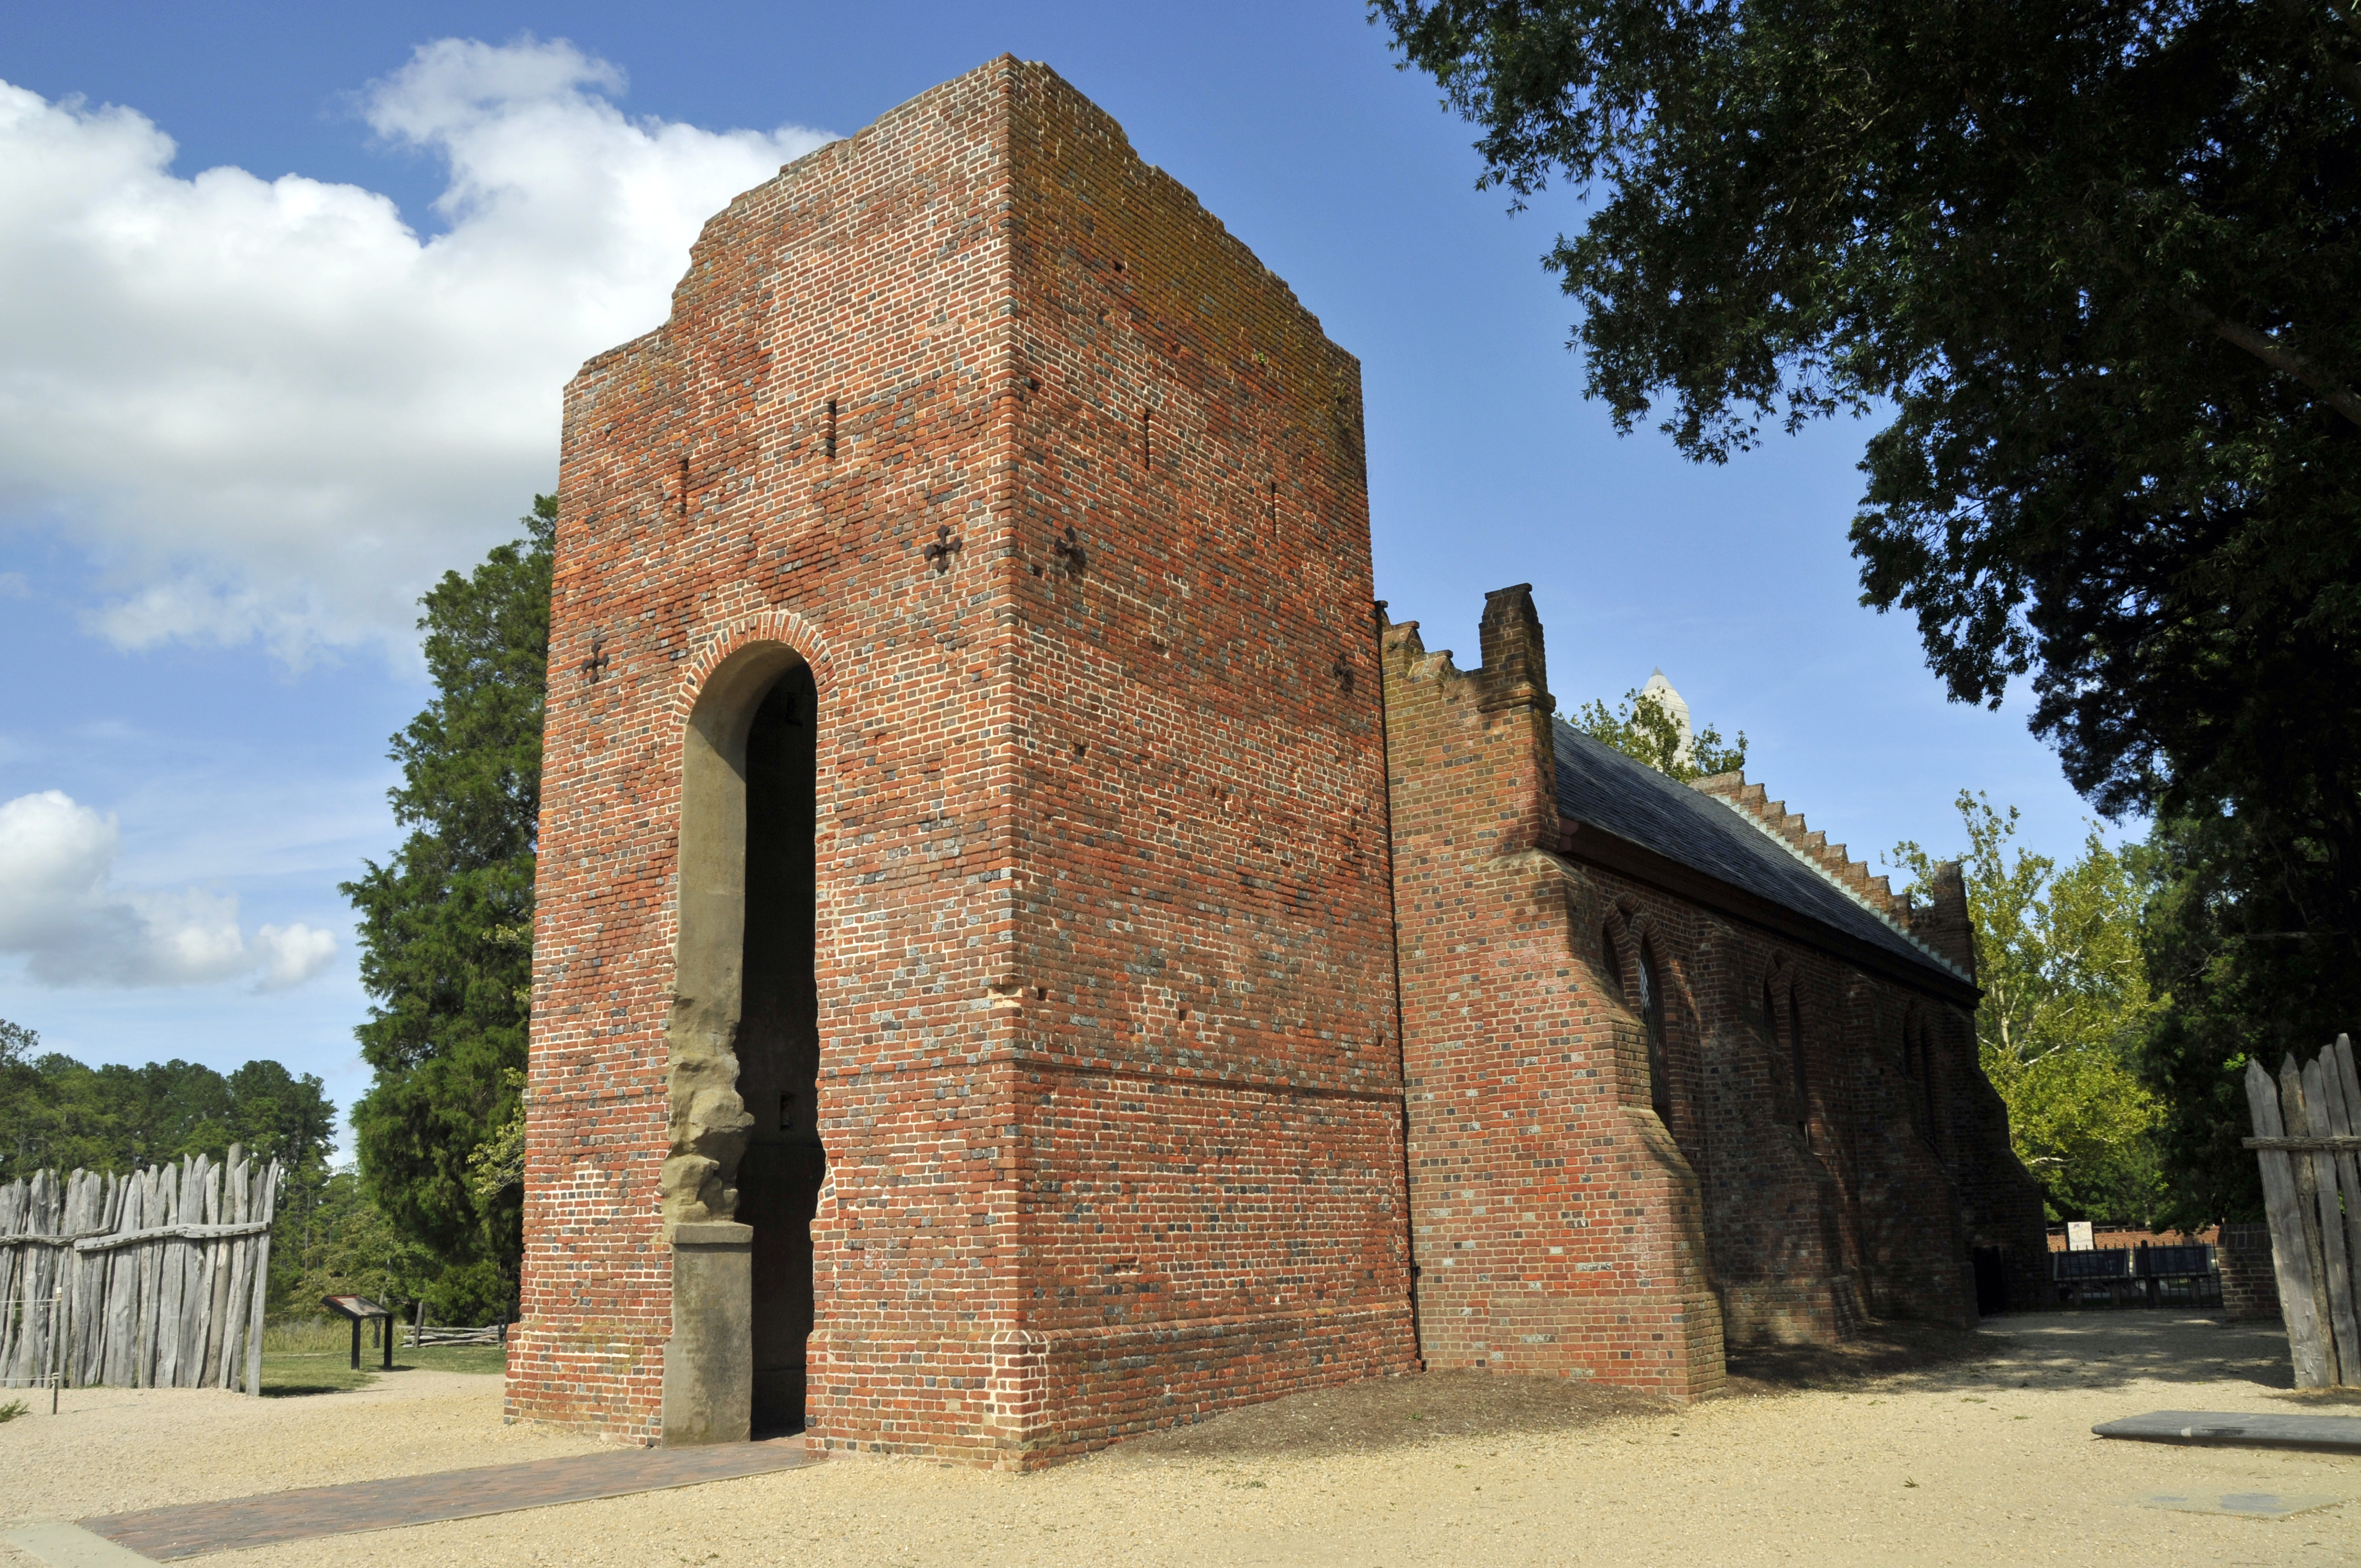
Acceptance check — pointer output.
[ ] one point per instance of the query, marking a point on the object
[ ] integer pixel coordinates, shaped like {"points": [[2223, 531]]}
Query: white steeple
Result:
{"points": [[1662, 691]]}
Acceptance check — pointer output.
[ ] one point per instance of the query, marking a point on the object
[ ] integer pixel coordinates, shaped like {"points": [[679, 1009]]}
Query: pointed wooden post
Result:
{"points": [[265, 1205], [2290, 1259], [2318, 1085], [2340, 1098], [2296, 1117]]}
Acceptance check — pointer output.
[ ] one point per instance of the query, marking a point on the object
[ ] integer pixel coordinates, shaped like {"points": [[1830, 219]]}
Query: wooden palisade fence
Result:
{"points": [[151, 1280], [2305, 1135]]}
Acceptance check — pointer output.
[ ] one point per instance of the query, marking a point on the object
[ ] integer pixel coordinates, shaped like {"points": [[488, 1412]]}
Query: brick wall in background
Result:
{"points": [[1559, 1228], [2250, 1287], [1562, 1224]]}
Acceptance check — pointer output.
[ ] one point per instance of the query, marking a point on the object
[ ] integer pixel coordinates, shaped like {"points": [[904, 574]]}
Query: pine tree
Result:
{"points": [[446, 926]]}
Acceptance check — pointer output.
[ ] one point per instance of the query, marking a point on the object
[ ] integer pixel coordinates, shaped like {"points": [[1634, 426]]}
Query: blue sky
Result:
{"points": [[258, 386]]}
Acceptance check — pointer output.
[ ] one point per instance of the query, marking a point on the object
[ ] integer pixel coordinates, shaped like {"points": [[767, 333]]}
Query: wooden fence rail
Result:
{"points": [[151, 1280], [2308, 1137]]}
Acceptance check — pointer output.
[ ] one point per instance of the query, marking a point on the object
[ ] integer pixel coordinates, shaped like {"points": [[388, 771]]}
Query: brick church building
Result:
{"points": [[1027, 954]]}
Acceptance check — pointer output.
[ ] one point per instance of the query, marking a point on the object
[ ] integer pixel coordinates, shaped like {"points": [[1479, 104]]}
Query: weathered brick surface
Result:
{"points": [[1109, 1078], [1558, 1228]]}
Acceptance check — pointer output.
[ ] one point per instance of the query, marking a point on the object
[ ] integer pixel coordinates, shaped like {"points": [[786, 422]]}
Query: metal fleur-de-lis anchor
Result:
{"points": [[1342, 673], [945, 546], [1070, 551], [596, 664]]}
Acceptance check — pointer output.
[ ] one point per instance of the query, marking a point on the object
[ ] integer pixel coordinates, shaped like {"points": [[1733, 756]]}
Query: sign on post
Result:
{"points": [[361, 1309], [2078, 1235]]}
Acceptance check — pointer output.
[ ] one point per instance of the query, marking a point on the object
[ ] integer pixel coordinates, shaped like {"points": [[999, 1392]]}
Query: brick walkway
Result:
{"points": [[194, 1529]]}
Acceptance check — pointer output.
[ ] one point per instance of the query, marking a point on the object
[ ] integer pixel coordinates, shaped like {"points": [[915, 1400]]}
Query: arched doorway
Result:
{"points": [[778, 1042], [743, 1175]]}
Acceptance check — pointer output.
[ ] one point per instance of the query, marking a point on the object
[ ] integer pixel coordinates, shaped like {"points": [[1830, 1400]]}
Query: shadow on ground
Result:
{"points": [[1884, 1350], [1392, 1412], [2048, 1350], [2040, 1350]]}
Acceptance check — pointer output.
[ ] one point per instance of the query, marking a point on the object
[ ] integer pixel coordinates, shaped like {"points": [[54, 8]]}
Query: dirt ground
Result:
{"points": [[1917, 1446]]}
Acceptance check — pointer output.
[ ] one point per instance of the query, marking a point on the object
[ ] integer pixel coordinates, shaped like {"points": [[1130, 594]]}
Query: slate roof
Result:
{"points": [[1601, 787]]}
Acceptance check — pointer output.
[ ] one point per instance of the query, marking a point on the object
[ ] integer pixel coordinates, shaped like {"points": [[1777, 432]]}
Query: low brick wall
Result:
{"points": [[2129, 1236], [2250, 1291]]}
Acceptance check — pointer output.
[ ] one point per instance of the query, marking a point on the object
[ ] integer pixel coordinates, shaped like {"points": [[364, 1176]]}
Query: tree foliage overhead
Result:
{"points": [[2236, 931], [446, 925], [2066, 1006], [1643, 725], [2102, 263], [2103, 259]]}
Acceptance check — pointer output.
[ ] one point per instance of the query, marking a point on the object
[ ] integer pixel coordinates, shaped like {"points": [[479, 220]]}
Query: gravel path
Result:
{"points": [[1980, 1461]]}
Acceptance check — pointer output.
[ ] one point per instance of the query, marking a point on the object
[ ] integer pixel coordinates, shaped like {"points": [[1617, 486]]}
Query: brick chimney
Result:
{"points": [[1515, 672], [1942, 921]]}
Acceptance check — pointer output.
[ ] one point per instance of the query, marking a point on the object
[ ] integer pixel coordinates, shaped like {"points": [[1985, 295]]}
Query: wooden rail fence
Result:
{"points": [[151, 1280], [2308, 1136]]}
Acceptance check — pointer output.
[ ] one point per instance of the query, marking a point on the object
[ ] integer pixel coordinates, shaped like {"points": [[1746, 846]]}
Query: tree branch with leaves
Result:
{"points": [[2098, 269], [1643, 725]]}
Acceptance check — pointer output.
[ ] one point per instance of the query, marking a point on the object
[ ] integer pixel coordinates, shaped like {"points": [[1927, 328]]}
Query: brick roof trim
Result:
{"points": [[1602, 788]]}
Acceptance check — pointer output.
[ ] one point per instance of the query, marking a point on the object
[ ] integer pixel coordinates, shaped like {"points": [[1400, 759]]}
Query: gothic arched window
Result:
{"points": [[1795, 1055], [1651, 1014]]}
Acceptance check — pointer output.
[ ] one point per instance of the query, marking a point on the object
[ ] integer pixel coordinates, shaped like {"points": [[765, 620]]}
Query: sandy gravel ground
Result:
{"points": [[1979, 1461]]}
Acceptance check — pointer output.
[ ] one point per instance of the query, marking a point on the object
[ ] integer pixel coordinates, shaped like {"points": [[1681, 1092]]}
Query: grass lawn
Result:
{"points": [[316, 1358], [289, 1372]]}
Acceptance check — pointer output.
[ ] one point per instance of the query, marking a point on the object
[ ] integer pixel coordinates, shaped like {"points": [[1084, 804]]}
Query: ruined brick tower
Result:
{"points": [[1026, 951], [964, 839]]}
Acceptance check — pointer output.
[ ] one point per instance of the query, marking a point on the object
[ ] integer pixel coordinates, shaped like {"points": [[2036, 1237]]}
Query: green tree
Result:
{"points": [[57, 1114], [447, 926], [1644, 727], [2103, 265], [351, 1249], [18, 1044], [2258, 967], [2066, 1006]]}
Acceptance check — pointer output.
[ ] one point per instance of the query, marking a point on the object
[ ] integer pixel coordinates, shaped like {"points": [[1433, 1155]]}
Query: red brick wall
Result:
{"points": [[1559, 1228], [1111, 1080], [1561, 1223], [2133, 1236], [2250, 1286], [1212, 1100], [1109, 1076]]}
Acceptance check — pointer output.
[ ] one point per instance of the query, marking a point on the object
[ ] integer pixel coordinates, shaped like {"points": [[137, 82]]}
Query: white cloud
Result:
{"points": [[270, 407], [296, 953], [60, 911]]}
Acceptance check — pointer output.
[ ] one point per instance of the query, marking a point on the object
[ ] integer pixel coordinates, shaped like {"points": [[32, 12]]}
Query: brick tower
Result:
{"points": [[964, 1014]]}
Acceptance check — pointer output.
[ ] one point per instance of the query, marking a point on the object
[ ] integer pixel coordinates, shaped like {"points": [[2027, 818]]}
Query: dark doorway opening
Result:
{"points": [[1992, 1281], [778, 1042]]}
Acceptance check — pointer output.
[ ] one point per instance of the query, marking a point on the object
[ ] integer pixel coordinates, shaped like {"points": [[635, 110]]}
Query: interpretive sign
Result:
{"points": [[361, 1309]]}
